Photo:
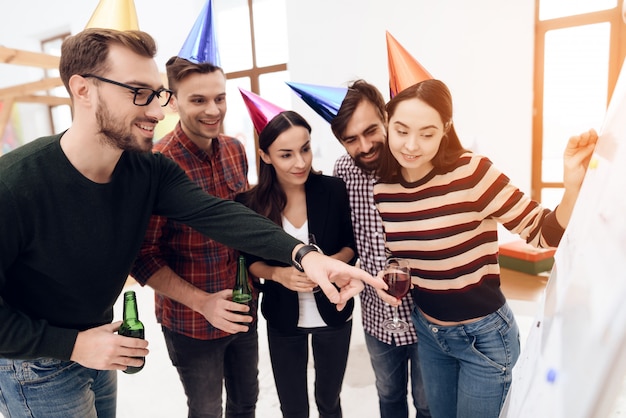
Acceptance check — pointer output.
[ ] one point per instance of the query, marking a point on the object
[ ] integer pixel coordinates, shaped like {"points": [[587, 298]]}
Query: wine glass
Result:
{"points": [[397, 275], [313, 241]]}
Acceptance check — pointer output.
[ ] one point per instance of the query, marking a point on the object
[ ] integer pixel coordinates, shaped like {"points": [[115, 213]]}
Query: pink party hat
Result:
{"points": [[326, 101], [261, 111], [404, 70], [201, 43], [114, 14]]}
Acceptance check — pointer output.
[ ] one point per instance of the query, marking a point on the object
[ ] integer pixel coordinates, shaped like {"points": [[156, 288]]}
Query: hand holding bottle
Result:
{"points": [[132, 326], [220, 311], [242, 293], [100, 348]]}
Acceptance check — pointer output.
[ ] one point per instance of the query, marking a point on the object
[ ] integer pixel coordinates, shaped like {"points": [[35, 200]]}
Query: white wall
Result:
{"points": [[482, 49]]}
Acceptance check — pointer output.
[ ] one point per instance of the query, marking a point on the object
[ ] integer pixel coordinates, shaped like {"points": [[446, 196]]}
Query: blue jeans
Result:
{"points": [[391, 366], [289, 353], [204, 365], [467, 368], [51, 388]]}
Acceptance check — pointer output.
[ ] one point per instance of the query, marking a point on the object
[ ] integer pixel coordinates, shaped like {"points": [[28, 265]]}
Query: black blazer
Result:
{"points": [[328, 213]]}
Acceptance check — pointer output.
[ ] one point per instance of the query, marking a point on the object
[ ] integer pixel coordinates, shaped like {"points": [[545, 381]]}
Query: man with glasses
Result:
{"points": [[74, 209], [203, 344], [142, 95]]}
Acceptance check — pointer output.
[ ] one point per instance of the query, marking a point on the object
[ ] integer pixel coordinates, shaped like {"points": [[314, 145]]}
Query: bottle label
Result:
{"points": [[242, 298]]}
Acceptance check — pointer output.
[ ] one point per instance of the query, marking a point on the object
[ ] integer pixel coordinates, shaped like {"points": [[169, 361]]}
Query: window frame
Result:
{"points": [[617, 53], [254, 74]]}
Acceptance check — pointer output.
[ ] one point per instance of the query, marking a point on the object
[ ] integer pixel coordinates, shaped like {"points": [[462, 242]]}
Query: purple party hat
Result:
{"points": [[201, 43], [261, 111], [326, 101]]}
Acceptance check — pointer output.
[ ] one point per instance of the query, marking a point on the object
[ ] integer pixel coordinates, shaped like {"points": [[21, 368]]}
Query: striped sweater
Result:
{"points": [[446, 225]]}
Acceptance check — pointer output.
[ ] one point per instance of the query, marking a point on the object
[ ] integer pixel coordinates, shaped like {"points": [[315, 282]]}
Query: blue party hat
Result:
{"points": [[201, 43], [326, 101]]}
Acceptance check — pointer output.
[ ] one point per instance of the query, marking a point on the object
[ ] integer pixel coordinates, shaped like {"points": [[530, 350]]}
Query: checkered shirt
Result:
{"points": [[370, 241], [204, 263]]}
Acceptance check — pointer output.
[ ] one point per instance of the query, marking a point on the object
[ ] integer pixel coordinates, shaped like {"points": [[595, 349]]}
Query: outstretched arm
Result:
{"points": [[576, 159]]}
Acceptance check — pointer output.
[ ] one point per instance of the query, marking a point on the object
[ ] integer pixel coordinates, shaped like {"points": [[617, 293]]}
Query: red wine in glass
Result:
{"points": [[399, 283], [397, 275]]}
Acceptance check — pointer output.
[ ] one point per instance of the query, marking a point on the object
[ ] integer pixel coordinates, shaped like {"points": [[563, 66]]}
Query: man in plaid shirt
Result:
{"points": [[203, 339], [360, 127]]}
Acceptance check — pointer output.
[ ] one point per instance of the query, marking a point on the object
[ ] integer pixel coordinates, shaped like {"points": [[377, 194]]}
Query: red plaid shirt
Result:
{"points": [[203, 262]]}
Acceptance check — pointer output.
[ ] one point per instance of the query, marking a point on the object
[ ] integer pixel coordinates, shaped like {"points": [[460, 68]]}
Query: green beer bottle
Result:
{"points": [[131, 325], [241, 291]]}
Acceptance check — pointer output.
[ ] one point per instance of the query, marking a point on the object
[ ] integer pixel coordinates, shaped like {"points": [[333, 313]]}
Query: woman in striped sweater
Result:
{"points": [[440, 206]]}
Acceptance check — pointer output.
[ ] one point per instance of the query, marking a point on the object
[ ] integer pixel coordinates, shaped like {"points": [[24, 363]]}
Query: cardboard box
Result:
{"points": [[520, 256]]}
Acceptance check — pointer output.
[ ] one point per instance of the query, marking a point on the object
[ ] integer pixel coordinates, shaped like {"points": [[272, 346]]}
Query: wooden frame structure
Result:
{"points": [[28, 92]]}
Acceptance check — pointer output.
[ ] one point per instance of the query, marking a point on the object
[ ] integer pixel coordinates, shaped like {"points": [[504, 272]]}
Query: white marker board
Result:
{"points": [[574, 360]]}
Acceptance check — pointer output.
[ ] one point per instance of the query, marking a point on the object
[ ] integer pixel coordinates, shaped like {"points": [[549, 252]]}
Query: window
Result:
{"points": [[577, 61], [252, 41]]}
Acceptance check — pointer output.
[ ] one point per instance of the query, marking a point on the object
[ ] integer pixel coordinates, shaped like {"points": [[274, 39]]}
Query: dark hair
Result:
{"points": [[87, 52], [358, 91], [178, 68], [268, 197], [436, 95]]}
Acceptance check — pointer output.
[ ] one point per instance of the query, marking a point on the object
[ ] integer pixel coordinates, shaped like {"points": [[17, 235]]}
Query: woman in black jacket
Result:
{"points": [[311, 207]]}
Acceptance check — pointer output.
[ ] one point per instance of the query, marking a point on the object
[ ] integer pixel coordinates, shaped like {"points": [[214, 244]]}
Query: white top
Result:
{"points": [[309, 316]]}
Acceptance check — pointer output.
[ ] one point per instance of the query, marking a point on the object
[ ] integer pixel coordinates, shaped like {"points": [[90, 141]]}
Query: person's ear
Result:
{"points": [[173, 104], [265, 157], [80, 89]]}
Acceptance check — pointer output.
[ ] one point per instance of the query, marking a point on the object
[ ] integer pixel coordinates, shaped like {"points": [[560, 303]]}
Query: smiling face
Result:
{"points": [[121, 123], [364, 136], [291, 156], [201, 104], [415, 134]]}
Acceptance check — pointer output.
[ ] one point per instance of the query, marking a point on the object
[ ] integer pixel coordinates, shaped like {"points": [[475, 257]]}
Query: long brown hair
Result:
{"points": [[267, 197], [435, 94]]}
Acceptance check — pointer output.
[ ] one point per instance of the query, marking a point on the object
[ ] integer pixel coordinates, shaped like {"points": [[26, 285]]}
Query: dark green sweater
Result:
{"points": [[67, 244]]}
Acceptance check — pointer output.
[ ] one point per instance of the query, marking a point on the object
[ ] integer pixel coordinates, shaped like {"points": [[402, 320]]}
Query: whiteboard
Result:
{"points": [[574, 360]]}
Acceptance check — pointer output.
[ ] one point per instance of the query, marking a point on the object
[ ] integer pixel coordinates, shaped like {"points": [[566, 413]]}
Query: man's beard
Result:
{"points": [[370, 166], [117, 136]]}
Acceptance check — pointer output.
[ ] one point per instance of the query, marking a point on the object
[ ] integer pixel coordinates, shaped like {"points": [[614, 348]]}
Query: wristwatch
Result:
{"points": [[297, 260]]}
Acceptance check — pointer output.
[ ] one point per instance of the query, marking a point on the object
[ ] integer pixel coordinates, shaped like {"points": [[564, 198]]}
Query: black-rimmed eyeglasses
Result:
{"points": [[143, 95]]}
